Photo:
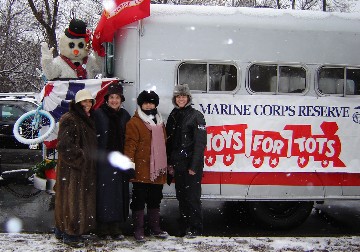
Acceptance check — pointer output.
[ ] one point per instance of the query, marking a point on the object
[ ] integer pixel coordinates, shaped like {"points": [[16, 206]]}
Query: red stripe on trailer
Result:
{"points": [[282, 178]]}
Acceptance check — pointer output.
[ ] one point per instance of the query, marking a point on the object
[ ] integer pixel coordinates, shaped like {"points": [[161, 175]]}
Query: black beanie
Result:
{"points": [[148, 96], [114, 89]]}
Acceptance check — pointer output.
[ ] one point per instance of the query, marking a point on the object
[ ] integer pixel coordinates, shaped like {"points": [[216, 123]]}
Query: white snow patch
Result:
{"points": [[47, 242]]}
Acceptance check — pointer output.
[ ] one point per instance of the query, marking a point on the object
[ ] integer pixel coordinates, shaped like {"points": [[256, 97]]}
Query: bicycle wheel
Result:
{"points": [[25, 131]]}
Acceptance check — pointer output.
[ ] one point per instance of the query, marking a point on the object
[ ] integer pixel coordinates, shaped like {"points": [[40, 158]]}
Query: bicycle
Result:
{"points": [[29, 128]]}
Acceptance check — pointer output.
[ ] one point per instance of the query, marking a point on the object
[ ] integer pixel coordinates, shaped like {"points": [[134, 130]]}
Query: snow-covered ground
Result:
{"points": [[25, 218], [47, 242]]}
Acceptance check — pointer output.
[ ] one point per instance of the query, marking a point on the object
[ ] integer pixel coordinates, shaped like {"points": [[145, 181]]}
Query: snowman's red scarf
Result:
{"points": [[80, 70]]}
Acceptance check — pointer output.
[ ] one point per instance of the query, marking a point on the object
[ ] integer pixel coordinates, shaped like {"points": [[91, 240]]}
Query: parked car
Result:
{"points": [[16, 157]]}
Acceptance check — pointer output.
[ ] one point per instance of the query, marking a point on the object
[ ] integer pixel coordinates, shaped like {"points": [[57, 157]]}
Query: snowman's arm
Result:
{"points": [[95, 64], [49, 65]]}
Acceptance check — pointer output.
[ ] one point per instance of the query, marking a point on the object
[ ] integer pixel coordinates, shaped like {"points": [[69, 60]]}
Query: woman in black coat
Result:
{"points": [[185, 146], [112, 182]]}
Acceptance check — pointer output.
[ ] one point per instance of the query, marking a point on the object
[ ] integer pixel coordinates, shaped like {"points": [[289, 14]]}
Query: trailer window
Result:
{"points": [[331, 81], [265, 78], [194, 75], [207, 77], [262, 77], [352, 81]]}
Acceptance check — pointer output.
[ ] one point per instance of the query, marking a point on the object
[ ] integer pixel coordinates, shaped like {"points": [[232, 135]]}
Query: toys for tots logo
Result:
{"points": [[229, 141]]}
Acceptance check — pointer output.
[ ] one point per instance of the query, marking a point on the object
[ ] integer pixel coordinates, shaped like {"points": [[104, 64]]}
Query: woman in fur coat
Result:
{"points": [[75, 198], [145, 146]]}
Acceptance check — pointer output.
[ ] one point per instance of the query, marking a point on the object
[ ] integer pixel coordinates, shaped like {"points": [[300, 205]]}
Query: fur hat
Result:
{"points": [[77, 29], [115, 89], [82, 95], [148, 96], [181, 89]]}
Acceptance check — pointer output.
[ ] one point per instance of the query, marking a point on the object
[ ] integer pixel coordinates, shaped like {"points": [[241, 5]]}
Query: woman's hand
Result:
{"points": [[191, 172]]}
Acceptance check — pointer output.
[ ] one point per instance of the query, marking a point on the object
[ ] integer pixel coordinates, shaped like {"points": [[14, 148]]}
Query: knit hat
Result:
{"points": [[181, 89], [115, 89], [77, 29], [82, 95], [148, 96]]}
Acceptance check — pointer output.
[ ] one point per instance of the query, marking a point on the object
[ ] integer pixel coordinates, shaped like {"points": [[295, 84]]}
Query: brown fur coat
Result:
{"points": [[75, 198]]}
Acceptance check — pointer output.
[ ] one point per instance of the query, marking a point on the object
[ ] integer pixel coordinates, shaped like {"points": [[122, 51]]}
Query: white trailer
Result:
{"points": [[279, 90]]}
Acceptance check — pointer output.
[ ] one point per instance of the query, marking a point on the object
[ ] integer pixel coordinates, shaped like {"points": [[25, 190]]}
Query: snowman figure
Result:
{"points": [[74, 61]]}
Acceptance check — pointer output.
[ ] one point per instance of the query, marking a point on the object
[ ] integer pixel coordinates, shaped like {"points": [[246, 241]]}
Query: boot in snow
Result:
{"points": [[138, 219], [154, 223]]}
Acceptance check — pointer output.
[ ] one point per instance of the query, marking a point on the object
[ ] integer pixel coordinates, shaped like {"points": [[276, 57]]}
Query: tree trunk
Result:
{"points": [[47, 20]]}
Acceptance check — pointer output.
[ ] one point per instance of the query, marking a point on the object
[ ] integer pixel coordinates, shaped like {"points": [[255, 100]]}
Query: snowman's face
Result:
{"points": [[74, 49]]}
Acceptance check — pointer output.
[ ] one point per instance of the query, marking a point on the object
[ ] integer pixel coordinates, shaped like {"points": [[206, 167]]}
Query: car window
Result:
{"points": [[10, 112], [27, 106]]}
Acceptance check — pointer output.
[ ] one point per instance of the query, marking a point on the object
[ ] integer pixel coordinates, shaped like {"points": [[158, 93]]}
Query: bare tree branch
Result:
{"points": [[49, 22]]}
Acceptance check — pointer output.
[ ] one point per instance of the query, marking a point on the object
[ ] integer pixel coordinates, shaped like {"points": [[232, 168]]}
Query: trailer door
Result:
{"points": [[126, 63]]}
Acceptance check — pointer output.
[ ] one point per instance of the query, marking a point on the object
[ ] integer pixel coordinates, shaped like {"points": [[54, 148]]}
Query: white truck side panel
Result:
{"points": [[175, 33], [148, 54], [126, 63]]}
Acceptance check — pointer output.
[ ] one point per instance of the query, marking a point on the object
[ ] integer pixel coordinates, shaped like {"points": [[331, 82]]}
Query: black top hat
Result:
{"points": [[77, 29]]}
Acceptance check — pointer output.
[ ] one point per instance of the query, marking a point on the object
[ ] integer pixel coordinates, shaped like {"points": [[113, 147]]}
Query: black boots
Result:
{"points": [[74, 241], [154, 224], [110, 231], [138, 219]]}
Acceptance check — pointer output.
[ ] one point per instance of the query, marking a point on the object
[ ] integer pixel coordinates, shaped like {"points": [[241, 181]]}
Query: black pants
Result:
{"points": [[149, 194], [188, 193]]}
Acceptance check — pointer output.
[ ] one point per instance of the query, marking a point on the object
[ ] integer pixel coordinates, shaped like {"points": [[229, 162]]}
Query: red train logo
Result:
{"points": [[294, 141], [225, 141], [323, 148], [268, 144]]}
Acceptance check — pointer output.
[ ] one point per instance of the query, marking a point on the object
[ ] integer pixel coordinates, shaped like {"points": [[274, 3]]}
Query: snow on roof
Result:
{"points": [[29, 97], [164, 9], [255, 18]]}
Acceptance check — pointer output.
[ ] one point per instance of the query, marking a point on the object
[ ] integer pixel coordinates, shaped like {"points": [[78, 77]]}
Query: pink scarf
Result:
{"points": [[158, 160]]}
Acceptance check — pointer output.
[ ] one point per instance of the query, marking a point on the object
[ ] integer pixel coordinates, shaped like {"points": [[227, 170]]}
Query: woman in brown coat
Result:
{"points": [[145, 146], [75, 198]]}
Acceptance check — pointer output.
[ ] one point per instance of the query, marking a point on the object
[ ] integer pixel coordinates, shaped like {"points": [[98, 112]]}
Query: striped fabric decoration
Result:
{"points": [[56, 96]]}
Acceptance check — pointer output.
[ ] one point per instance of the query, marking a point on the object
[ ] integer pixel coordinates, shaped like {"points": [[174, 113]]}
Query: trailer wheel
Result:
{"points": [[280, 214]]}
